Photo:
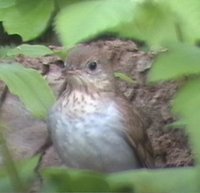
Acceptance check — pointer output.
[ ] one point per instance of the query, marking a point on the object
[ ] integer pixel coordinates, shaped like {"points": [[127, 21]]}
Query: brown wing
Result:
{"points": [[136, 125]]}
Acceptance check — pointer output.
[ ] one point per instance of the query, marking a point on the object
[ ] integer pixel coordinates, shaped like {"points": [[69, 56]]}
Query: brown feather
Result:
{"points": [[136, 125]]}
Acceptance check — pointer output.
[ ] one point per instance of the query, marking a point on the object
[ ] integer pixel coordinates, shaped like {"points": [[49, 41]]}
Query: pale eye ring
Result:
{"points": [[92, 66]]}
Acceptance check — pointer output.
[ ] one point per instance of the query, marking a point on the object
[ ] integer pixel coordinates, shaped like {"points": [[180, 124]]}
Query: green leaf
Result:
{"points": [[7, 3], [28, 18], [4, 50], [180, 60], [64, 3], [89, 182], [188, 16], [177, 124], [30, 87], [187, 105], [179, 180], [26, 172], [69, 180], [62, 54], [176, 180], [124, 77], [187, 100], [157, 22], [27, 169], [56, 180], [83, 20], [30, 50], [153, 22]]}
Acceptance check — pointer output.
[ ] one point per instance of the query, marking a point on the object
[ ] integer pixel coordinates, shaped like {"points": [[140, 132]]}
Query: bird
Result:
{"points": [[92, 125]]}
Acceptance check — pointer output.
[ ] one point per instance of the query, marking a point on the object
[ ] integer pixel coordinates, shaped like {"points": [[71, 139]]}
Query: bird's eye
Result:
{"points": [[92, 66]]}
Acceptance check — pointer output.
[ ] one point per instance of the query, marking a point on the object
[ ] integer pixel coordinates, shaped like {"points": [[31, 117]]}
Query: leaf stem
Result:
{"points": [[10, 166], [179, 33]]}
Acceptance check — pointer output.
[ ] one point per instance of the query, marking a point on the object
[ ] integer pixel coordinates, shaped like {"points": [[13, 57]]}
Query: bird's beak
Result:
{"points": [[69, 70], [65, 72], [73, 72]]}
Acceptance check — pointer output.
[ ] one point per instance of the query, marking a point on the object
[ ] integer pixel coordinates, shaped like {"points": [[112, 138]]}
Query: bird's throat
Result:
{"points": [[79, 103]]}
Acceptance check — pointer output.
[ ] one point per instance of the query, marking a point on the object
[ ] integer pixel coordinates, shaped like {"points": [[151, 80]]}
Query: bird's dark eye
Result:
{"points": [[92, 66]]}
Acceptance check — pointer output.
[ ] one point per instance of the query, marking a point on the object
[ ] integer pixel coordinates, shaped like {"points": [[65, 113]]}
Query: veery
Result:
{"points": [[92, 125]]}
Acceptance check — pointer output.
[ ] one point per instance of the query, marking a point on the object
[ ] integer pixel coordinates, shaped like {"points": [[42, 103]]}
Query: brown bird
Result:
{"points": [[92, 126]]}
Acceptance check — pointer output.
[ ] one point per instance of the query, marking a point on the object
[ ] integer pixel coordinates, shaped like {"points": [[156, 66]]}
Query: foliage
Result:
{"points": [[153, 21], [95, 16], [30, 86], [124, 77], [178, 61], [11, 180], [172, 25], [60, 180], [29, 50], [142, 181], [26, 18]]}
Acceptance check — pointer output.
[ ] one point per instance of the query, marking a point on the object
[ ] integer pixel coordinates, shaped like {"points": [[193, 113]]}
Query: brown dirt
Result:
{"points": [[25, 134]]}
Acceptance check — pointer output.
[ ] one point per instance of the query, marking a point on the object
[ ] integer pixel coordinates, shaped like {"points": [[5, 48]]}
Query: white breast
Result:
{"points": [[94, 139]]}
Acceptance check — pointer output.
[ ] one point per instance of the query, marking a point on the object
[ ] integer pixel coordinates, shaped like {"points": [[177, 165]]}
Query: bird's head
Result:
{"points": [[88, 67]]}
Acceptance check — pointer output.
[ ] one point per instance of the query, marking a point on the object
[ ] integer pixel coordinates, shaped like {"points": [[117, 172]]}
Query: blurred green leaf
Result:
{"points": [[10, 166], [153, 22], [187, 105], [61, 54], [124, 77], [7, 3], [28, 18], [193, 131], [26, 172], [63, 3], [188, 16], [180, 60], [27, 169], [56, 180], [68, 180], [30, 87], [187, 100], [89, 182], [177, 124], [82, 20], [176, 180], [4, 50], [157, 22], [30, 50]]}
